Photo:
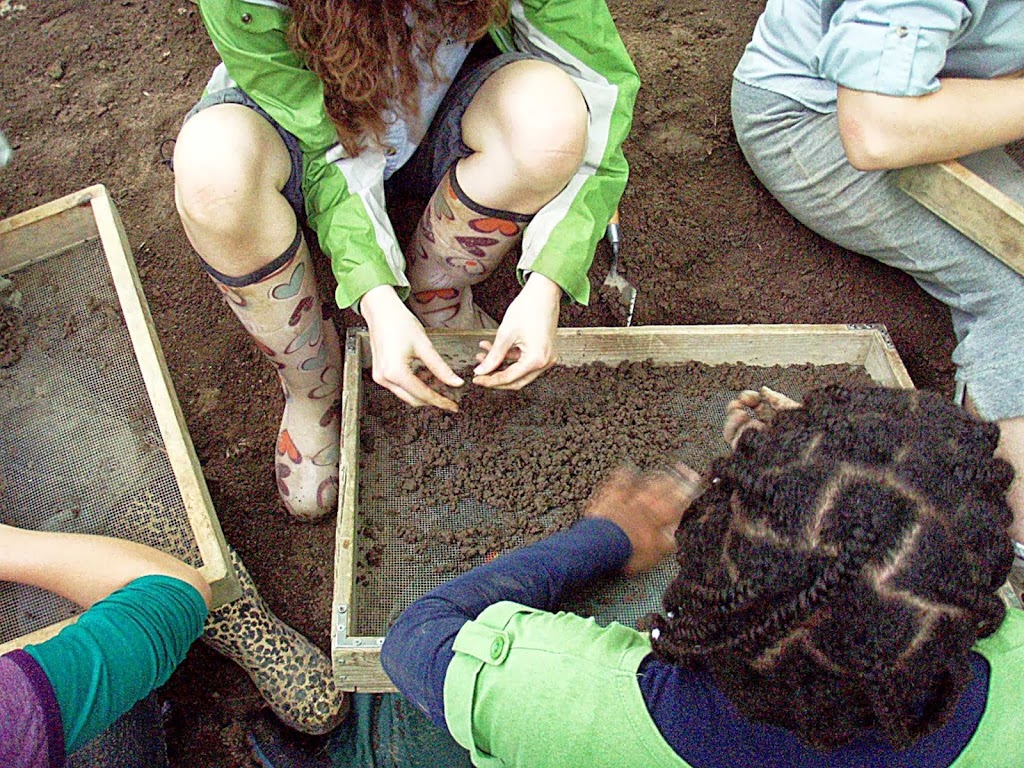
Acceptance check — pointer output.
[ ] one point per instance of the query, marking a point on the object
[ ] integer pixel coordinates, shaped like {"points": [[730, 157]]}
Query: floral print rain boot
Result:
{"points": [[280, 308], [457, 244]]}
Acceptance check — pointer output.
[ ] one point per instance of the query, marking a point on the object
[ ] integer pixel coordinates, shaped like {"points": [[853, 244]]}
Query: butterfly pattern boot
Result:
{"points": [[457, 244], [281, 310], [293, 676]]}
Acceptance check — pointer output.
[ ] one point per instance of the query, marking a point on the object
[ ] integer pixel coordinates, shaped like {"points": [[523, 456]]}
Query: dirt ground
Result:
{"points": [[91, 92]]}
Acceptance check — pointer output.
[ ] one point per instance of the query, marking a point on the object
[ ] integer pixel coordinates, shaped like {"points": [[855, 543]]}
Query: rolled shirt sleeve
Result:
{"points": [[118, 652], [890, 48]]}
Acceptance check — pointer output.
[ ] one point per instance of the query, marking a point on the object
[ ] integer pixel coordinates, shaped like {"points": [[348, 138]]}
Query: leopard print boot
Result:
{"points": [[294, 676], [457, 244]]}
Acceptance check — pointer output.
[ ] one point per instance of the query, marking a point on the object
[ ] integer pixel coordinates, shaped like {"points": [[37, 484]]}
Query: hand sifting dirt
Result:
{"points": [[647, 506]]}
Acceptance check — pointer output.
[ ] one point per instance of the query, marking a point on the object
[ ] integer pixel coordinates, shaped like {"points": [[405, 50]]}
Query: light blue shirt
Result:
{"points": [[896, 48]]}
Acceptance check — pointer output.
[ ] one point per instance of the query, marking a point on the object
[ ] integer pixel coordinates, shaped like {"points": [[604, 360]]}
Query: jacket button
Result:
{"points": [[901, 32], [246, 18], [497, 647]]}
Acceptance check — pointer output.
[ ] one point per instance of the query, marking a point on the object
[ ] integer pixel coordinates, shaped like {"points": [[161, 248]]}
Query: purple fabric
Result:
{"points": [[31, 735]]}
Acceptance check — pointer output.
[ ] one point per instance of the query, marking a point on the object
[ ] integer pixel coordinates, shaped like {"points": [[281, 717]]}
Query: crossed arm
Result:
{"points": [[962, 117]]}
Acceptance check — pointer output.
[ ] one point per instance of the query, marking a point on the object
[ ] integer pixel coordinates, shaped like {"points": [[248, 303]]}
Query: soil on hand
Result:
{"points": [[93, 92]]}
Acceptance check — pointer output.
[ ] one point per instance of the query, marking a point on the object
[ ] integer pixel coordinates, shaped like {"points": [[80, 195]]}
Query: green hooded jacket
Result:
{"points": [[345, 195]]}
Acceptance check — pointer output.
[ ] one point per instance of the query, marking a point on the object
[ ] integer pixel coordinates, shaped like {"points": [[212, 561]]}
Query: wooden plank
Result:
{"points": [[360, 670], [34, 638], [181, 455], [343, 608], [357, 659], [882, 362], [41, 232], [971, 205], [782, 344]]}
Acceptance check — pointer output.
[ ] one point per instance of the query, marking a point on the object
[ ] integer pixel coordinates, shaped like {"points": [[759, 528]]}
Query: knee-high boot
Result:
{"points": [[457, 244], [293, 675], [280, 308]]}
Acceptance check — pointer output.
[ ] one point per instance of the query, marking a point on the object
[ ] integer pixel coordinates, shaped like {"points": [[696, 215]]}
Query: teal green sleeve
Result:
{"points": [[252, 42], [118, 652], [565, 233]]}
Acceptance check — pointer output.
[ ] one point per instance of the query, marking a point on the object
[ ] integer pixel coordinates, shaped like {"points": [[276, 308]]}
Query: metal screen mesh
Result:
{"points": [[400, 573], [80, 446], [1016, 151]]}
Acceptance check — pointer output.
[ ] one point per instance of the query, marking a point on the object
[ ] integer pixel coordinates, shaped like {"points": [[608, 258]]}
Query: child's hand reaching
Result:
{"points": [[647, 506], [753, 410]]}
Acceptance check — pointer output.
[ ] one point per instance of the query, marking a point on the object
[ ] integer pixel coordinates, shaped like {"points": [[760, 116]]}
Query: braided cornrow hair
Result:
{"points": [[842, 562]]}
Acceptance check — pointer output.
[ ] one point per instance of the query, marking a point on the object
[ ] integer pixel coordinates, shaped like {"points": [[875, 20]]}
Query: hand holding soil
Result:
{"points": [[397, 340], [647, 506], [528, 329]]}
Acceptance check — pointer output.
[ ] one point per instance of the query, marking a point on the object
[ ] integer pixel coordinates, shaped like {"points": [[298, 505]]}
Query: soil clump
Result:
{"points": [[12, 337]]}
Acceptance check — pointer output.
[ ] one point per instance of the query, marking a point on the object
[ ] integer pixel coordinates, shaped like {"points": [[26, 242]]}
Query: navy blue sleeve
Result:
{"points": [[418, 648]]}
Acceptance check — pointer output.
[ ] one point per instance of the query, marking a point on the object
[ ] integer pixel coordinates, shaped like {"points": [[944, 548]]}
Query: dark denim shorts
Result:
{"points": [[441, 146]]}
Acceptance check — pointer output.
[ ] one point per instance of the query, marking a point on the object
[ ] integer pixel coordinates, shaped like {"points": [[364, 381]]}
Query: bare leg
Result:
{"points": [[229, 168], [527, 127]]}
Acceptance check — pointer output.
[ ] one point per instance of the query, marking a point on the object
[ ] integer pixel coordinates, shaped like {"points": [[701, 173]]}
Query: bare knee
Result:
{"points": [[228, 163], [538, 120]]}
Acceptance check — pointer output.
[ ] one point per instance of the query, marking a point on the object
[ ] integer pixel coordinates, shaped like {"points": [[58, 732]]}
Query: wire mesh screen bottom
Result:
{"points": [[1016, 151], [406, 545], [80, 446]]}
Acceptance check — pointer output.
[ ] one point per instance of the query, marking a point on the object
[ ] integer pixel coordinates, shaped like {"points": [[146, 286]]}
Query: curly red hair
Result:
{"points": [[367, 54]]}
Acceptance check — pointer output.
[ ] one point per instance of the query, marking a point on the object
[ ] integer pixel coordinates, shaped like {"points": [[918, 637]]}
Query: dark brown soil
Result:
{"points": [[91, 91], [12, 337], [532, 458]]}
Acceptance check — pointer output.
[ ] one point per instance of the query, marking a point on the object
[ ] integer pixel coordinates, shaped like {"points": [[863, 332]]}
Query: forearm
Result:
{"points": [[418, 647], [538, 574], [962, 117], [84, 568], [119, 651], [379, 303]]}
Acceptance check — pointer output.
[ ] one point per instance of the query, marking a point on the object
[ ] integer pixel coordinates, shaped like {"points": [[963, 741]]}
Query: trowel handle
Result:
{"points": [[611, 233]]}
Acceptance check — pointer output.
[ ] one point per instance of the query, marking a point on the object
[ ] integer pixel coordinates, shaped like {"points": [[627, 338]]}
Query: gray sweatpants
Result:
{"points": [[797, 154]]}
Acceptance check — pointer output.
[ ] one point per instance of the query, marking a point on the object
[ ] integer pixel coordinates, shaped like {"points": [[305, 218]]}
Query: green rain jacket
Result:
{"points": [[345, 195], [532, 689]]}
